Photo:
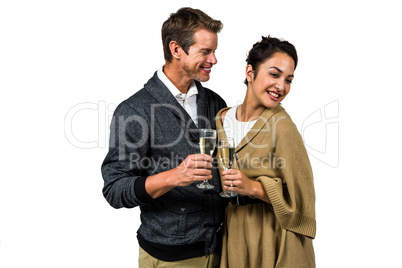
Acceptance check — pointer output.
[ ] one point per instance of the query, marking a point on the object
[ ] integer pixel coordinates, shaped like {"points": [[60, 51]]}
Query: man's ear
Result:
{"points": [[175, 49], [249, 73]]}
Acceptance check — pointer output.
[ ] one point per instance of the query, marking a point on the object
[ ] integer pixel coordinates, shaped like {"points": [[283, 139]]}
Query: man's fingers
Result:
{"points": [[202, 164], [202, 178], [199, 165], [202, 172], [201, 157], [200, 161]]}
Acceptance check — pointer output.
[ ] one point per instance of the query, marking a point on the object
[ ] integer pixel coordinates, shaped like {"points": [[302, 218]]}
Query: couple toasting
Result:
{"points": [[271, 223]]}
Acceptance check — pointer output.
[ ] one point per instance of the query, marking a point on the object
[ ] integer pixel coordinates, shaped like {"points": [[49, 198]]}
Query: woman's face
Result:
{"points": [[272, 82]]}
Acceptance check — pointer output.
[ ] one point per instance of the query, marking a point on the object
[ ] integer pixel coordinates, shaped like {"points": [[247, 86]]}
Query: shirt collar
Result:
{"points": [[173, 89]]}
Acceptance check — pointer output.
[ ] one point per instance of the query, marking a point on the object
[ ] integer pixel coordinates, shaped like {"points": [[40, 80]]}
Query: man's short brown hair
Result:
{"points": [[182, 25]]}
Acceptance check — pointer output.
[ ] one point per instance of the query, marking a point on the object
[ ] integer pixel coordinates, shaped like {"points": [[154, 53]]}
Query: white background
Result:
{"points": [[65, 65]]}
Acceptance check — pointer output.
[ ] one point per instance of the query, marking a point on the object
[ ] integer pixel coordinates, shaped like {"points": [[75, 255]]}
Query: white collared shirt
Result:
{"points": [[187, 101]]}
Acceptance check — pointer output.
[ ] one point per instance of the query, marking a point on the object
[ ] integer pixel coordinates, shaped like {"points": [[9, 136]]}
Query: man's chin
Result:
{"points": [[201, 79]]}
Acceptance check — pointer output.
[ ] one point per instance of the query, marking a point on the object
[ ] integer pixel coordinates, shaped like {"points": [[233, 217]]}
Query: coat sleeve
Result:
{"points": [[291, 191], [121, 168]]}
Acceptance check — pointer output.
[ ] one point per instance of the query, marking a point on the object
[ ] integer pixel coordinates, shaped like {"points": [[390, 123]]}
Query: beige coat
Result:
{"points": [[278, 234]]}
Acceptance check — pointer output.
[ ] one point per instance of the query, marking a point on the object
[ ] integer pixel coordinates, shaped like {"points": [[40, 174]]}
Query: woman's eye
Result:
{"points": [[274, 75], [288, 81]]}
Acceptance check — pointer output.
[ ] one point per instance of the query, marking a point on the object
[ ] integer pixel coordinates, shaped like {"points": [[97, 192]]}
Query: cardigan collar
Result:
{"points": [[258, 126], [158, 90]]}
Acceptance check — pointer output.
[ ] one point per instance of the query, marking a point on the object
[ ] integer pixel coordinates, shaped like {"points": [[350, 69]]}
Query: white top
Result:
{"points": [[235, 128], [187, 101]]}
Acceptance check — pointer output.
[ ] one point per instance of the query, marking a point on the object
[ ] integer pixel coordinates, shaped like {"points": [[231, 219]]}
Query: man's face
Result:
{"points": [[197, 63]]}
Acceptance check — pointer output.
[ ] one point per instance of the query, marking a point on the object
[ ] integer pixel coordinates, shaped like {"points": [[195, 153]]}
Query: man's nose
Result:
{"points": [[212, 58]]}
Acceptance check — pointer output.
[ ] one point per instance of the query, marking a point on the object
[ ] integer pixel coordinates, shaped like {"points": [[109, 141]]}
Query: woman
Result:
{"points": [[272, 221]]}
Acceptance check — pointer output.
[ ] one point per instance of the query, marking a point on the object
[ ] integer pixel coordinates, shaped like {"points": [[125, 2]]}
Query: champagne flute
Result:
{"points": [[226, 157], [207, 146]]}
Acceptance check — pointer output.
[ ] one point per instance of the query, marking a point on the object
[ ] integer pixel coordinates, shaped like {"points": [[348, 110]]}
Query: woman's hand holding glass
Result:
{"points": [[235, 180], [226, 159]]}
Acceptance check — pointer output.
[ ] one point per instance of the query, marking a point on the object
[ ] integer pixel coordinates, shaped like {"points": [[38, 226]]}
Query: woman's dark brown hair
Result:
{"points": [[266, 48]]}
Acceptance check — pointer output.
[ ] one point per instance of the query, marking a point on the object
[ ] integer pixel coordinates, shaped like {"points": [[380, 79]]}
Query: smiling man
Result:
{"points": [[154, 161]]}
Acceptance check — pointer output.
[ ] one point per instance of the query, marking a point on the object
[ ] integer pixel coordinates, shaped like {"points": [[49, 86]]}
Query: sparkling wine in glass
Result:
{"points": [[226, 157], [207, 146]]}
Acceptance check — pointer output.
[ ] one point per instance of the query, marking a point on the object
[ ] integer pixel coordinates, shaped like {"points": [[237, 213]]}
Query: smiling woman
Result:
{"points": [[272, 221]]}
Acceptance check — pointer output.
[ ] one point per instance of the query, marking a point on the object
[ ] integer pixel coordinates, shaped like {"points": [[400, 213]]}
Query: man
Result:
{"points": [[154, 161]]}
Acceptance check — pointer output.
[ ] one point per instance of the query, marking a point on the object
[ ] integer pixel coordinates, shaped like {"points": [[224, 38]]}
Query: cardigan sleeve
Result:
{"points": [[124, 180], [291, 191]]}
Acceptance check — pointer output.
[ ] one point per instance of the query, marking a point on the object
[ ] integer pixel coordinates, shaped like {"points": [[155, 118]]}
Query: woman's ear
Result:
{"points": [[175, 49], [249, 73]]}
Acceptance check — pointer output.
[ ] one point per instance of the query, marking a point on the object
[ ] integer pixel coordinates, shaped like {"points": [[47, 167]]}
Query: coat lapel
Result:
{"points": [[218, 122], [202, 108], [258, 126]]}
